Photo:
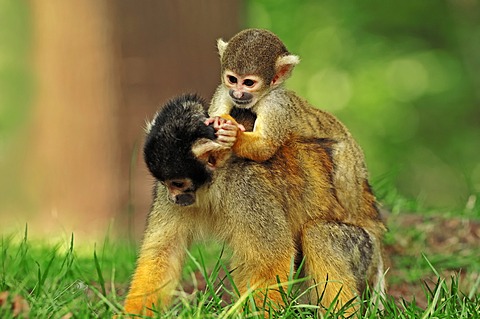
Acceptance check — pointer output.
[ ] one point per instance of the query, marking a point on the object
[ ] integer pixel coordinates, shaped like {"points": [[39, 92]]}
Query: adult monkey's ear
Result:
{"points": [[210, 152], [284, 67]]}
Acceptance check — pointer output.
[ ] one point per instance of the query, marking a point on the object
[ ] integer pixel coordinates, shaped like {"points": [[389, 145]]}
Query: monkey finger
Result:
{"points": [[218, 122], [226, 141], [226, 138], [209, 121], [224, 132], [229, 127], [236, 125]]}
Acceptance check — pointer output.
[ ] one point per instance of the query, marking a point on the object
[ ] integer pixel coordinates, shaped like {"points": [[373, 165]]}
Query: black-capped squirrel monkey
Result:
{"points": [[273, 215]]}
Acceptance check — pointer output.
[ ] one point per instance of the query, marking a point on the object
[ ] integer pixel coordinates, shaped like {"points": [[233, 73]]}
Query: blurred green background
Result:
{"points": [[403, 76], [16, 91]]}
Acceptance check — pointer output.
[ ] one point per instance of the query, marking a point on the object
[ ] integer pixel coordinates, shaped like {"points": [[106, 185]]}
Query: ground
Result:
{"points": [[450, 244]]}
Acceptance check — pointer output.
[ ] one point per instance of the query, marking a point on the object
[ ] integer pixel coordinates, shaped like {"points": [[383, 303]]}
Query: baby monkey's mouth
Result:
{"points": [[241, 99], [241, 103]]}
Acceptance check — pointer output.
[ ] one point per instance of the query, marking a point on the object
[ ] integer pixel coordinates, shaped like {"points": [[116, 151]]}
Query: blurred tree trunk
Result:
{"points": [[103, 68]]}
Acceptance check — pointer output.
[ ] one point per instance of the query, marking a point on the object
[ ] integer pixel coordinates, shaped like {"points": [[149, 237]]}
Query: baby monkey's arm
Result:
{"points": [[258, 145]]}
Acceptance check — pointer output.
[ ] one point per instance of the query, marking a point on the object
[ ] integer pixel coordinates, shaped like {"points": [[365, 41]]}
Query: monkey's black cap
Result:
{"points": [[170, 136]]}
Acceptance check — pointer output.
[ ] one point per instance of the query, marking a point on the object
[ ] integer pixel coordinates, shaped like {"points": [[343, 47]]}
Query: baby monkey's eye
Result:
{"points": [[249, 82], [232, 79]]}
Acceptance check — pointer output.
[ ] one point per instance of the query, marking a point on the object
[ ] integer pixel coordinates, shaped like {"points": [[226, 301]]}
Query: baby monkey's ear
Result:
{"points": [[210, 152], [284, 67], [221, 46]]}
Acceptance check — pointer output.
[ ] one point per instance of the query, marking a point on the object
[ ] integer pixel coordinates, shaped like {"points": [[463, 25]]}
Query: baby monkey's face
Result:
{"points": [[244, 90]]}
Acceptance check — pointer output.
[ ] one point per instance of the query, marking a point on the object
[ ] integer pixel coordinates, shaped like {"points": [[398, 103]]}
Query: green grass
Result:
{"points": [[65, 281]]}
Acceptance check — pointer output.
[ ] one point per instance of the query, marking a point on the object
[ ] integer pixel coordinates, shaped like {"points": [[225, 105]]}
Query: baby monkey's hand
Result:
{"points": [[226, 130]]}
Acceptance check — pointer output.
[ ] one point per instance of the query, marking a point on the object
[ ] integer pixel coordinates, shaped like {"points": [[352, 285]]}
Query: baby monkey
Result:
{"points": [[254, 65]]}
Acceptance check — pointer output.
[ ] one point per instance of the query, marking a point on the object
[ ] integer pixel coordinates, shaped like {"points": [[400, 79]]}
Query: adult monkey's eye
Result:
{"points": [[249, 82], [178, 184], [232, 79]]}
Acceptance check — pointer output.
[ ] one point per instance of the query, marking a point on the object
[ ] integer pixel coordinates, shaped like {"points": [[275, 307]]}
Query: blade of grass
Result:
{"points": [[108, 304], [474, 289], [433, 304], [43, 277], [101, 281], [431, 266]]}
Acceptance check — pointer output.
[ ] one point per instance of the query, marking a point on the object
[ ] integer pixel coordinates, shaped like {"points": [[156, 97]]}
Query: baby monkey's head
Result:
{"points": [[254, 62]]}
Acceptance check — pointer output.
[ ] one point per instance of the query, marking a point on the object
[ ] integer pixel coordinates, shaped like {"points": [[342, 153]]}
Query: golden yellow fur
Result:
{"points": [[281, 114], [271, 213]]}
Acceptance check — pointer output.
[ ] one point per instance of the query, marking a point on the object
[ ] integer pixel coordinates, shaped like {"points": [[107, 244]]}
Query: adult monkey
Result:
{"points": [[269, 213]]}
